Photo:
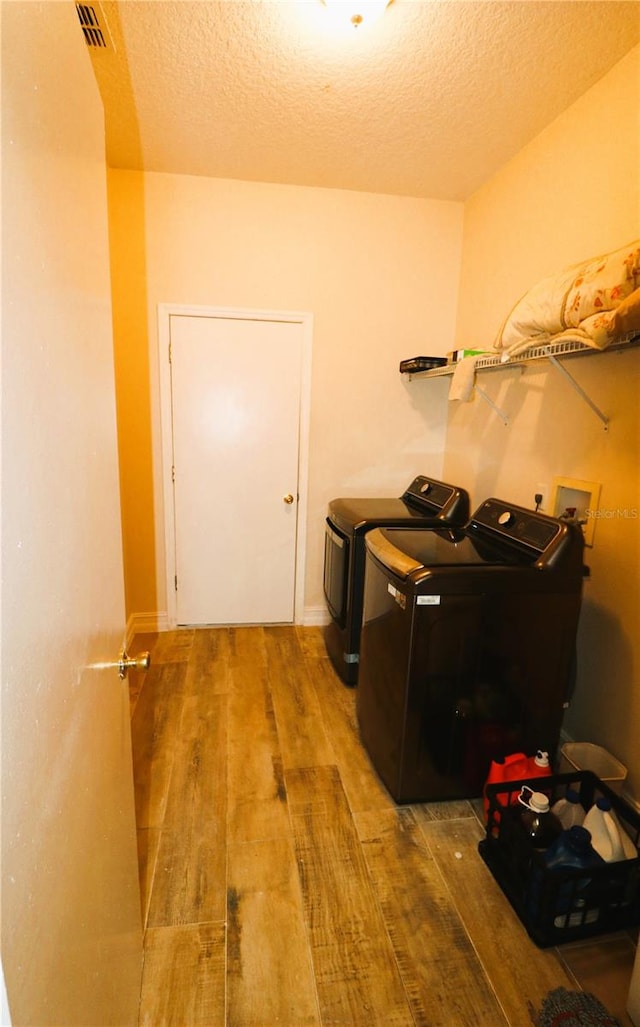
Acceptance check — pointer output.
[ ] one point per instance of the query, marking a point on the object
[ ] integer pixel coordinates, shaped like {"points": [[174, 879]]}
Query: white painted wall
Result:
{"points": [[378, 273], [572, 193]]}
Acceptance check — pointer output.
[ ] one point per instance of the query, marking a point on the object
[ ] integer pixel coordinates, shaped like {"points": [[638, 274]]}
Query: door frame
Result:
{"points": [[305, 319]]}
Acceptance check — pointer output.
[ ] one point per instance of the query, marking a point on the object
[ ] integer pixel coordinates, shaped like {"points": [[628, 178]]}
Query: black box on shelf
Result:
{"points": [[415, 364], [561, 905]]}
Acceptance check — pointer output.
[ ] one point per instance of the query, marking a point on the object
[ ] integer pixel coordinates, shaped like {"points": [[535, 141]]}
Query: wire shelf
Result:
{"points": [[542, 352]]}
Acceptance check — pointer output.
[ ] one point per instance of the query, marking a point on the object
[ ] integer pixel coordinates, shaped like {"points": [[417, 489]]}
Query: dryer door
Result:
{"points": [[336, 565]]}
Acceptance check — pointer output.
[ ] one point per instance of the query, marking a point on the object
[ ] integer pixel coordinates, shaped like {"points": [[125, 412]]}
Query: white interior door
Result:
{"points": [[71, 931], [236, 387]]}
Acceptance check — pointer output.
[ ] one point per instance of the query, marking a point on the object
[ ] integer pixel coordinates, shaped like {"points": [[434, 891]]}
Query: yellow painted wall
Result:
{"points": [[572, 193], [133, 392], [378, 273]]}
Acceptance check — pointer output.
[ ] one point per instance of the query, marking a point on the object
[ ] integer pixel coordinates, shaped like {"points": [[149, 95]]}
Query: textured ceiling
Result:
{"points": [[430, 101]]}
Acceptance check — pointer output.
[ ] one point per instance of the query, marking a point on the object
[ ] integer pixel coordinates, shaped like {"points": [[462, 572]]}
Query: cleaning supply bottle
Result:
{"points": [[574, 901], [606, 833], [540, 824], [502, 770], [628, 846], [569, 809], [572, 848], [539, 765], [516, 767]]}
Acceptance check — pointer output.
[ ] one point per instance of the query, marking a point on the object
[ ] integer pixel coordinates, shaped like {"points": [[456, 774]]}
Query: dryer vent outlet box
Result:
{"points": [[575, 498]]}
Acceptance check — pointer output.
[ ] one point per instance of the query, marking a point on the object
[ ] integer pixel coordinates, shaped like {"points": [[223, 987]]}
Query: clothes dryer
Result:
{"points": [[426, 503], [467, 647]]}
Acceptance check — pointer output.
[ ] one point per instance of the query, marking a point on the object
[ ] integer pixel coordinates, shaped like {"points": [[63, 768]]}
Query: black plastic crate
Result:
{"points": [[561, 905]]}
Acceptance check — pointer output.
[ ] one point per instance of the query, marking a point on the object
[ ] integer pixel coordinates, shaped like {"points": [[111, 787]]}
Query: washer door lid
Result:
{"points": [[398, 562]]}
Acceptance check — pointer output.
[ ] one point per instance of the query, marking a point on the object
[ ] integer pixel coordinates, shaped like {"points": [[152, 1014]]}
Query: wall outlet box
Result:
{"points": [[576, 499], [542, 489]]}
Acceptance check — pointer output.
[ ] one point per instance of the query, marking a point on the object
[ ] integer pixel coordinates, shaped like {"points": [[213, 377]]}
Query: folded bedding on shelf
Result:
{"points": [[594, 303]]}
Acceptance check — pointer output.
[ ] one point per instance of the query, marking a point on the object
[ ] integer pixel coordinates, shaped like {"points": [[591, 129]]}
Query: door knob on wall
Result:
{"points": [[126, 663], [288, 499]]}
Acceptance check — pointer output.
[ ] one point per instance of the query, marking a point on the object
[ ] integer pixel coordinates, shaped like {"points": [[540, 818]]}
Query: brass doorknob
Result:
{"points": [[288, 499], [126, 663]]}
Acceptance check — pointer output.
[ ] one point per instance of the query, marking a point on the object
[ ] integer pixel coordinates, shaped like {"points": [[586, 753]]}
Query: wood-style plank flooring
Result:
{"points": [[280, 883]]}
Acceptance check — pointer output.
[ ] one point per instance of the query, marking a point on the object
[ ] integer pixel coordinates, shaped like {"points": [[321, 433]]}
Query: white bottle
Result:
{"points": [[605, 833], [628, 848], [630, 851], [569, 809]]}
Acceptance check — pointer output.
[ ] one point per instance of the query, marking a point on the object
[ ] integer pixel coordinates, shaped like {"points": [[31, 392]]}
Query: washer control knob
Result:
{"points": [[425, 488], [506, 518]]}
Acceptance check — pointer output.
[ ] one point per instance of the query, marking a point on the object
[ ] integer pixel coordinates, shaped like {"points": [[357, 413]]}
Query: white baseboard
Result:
{"points": [[315, 616], [144, 623]]}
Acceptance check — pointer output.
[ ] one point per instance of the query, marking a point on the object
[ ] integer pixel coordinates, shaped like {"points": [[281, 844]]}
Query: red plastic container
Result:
{"points": [[516, 767]]}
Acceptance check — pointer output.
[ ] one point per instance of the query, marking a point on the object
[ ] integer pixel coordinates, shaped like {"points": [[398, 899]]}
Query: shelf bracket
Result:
{"points": [[501, 414], [578, 388]]}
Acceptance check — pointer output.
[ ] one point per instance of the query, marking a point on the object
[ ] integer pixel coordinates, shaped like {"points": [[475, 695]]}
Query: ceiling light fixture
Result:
{"points": [[357, 12]]}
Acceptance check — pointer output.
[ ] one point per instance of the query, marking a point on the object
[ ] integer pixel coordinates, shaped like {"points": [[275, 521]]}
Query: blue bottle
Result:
{"points": [[573, 850]]}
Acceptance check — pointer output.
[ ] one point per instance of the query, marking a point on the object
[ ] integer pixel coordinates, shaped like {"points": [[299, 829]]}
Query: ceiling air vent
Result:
{"points": [[94, 34]]}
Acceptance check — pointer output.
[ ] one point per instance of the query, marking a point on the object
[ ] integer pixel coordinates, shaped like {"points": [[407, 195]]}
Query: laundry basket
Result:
{"points": [[587, 756]]}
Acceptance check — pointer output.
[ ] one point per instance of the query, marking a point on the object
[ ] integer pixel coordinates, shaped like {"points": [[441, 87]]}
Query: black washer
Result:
{"points": [[467, 647], [426, 503]]}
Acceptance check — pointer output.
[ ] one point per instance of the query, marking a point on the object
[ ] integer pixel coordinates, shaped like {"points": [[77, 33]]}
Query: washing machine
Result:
{"points": [[467, 647], [425, 503]]}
